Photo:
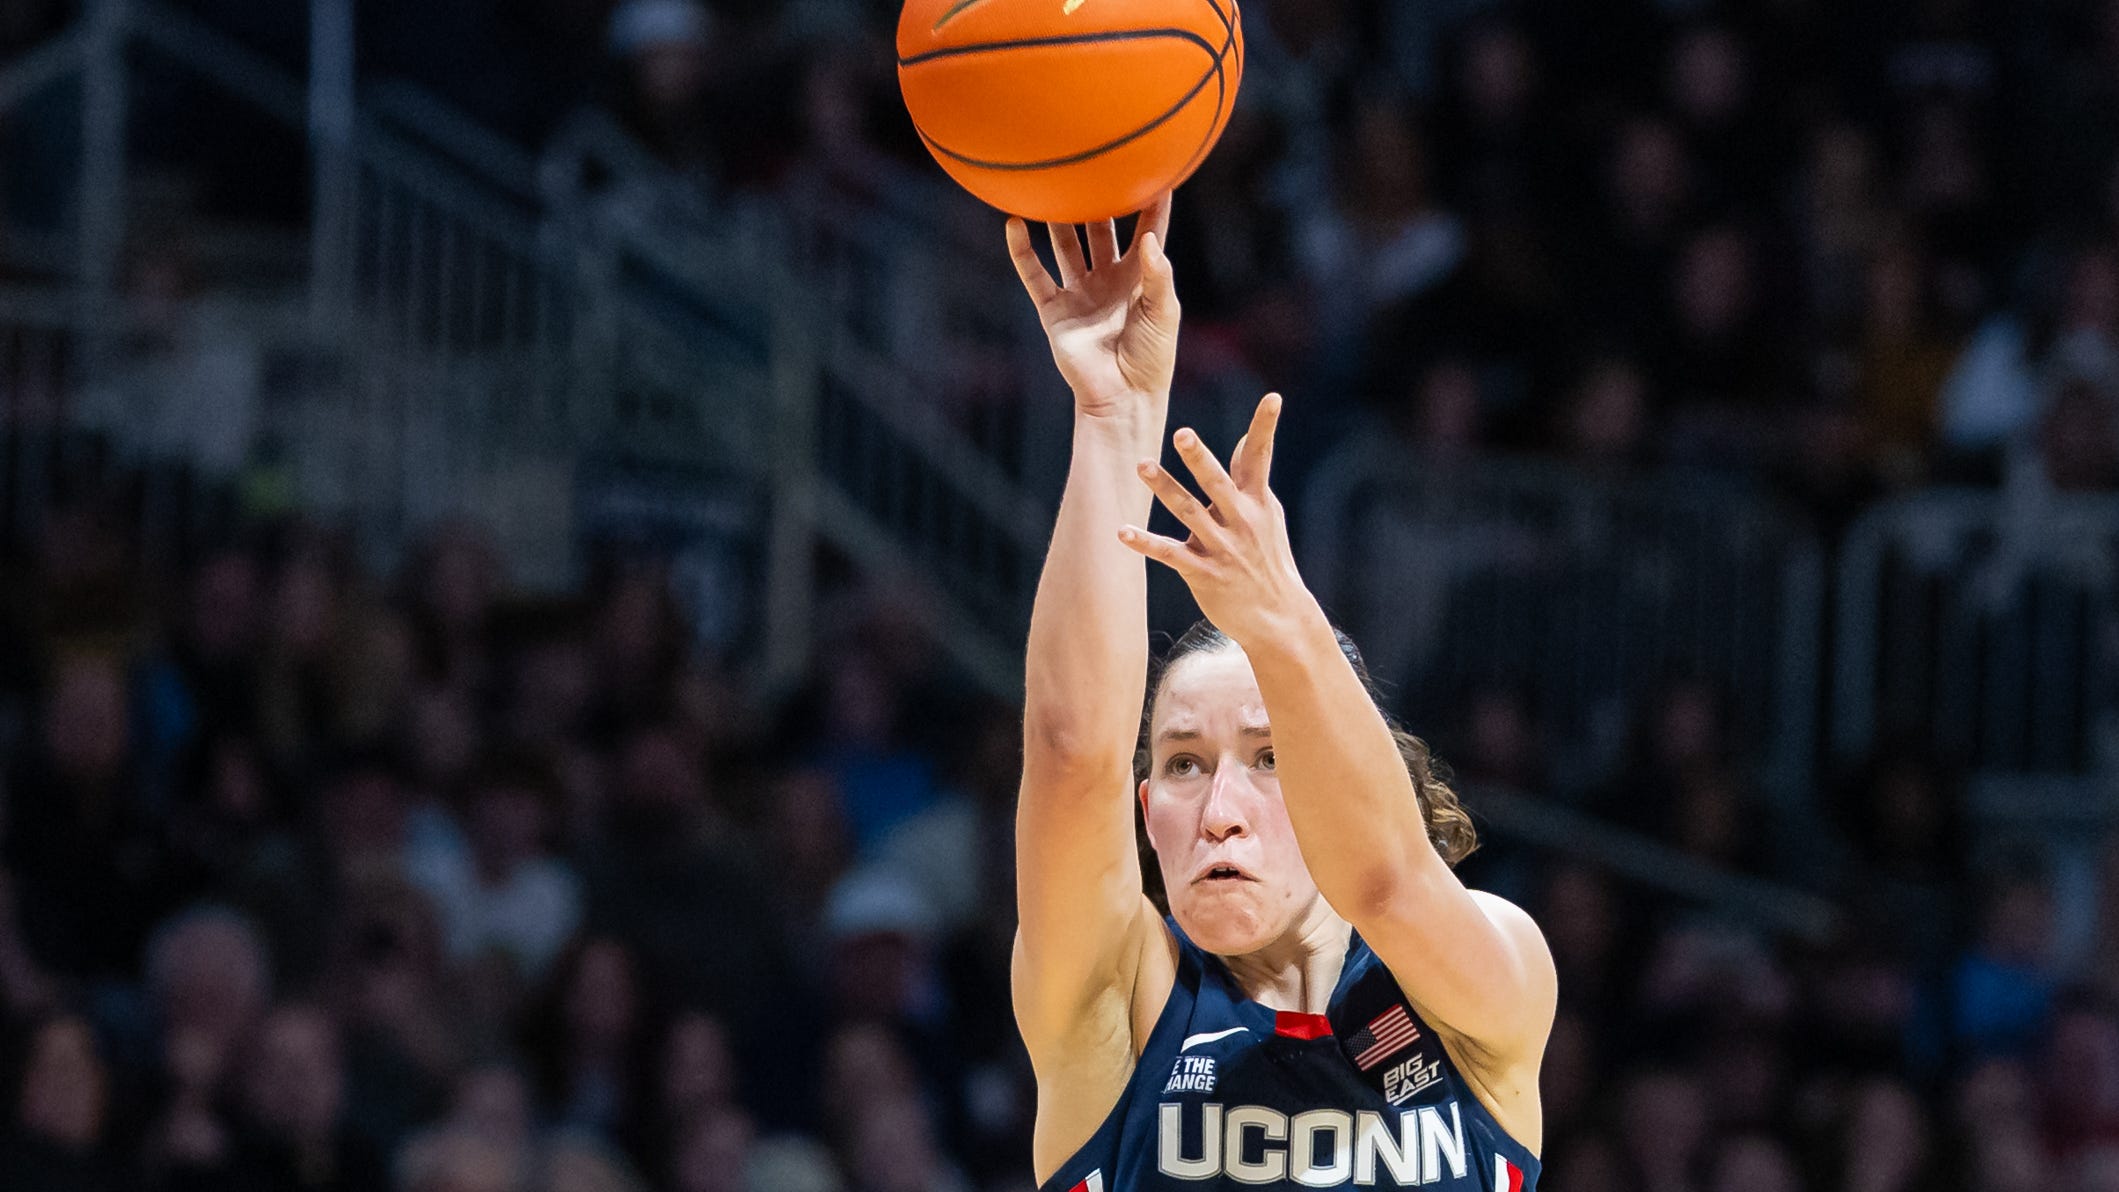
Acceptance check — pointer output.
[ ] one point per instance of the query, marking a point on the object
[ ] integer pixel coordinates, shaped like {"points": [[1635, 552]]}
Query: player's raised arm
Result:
{"points": [[1112, 320], [1475, 965]]}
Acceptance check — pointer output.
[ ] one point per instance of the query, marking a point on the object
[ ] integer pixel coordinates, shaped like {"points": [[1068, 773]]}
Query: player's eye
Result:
{"points": [[1265, 761], [1181, 766]]}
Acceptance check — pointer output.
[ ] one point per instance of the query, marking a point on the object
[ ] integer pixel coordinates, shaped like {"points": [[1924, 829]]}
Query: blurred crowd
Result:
{"points": [[317, 879], [1840, 249], [322, 878]]}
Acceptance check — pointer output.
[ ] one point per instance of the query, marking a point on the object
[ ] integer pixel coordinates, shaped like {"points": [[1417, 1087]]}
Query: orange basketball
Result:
{"points": [[1070, 110]]}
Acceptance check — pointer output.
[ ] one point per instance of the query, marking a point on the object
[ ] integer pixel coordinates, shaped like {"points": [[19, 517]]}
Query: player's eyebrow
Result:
{"points": [[1193, 734]]}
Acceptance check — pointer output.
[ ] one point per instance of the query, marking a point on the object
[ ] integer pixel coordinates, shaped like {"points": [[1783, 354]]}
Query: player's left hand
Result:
{"points": [[1237, 561]]}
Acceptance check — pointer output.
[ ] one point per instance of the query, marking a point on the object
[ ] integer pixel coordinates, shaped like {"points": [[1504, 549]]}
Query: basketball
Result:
{"points": [[1070, 110]]}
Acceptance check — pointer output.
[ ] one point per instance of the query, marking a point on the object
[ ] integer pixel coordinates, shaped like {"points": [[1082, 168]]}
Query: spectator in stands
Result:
{"points": [[590, 1037], [453, 584], [673, 880], [209, 984], [505, 893], [2079, 1072], [1384, 243], [294, 1133], [85, 912], [58, 1139], [492, 1102], [305, 609], [453, 1162], [2077, 444], [665, 48], [1604, 425], [1753, 1163], [1662, 1128], [1998, 998], [581, 1163], [810, 849], [892, 1148], [883, 780], [711, 1152], [396, 1008], [214, 642], [1568, 1080], [1886, 1142], [1996, 1116]]}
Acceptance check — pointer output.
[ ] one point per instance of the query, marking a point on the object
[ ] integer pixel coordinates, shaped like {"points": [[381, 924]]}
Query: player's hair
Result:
{"points": [[1449, 826]]}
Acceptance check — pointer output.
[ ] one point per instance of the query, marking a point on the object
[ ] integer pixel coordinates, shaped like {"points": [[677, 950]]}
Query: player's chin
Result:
{"points": [[1225, 924]]}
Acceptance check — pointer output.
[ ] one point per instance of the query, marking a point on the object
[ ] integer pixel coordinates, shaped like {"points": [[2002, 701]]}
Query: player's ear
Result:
{"points": [[1147, 824]]}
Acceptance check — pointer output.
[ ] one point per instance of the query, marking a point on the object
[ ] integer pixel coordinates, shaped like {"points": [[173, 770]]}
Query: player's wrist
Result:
{"points": [[1133, 413]]}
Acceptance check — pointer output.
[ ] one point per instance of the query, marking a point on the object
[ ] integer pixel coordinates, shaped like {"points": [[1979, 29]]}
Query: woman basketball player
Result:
{"points": [[1328, 1006]]}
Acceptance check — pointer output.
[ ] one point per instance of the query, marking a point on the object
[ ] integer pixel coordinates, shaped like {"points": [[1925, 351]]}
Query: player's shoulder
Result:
{"points": [[1507, 915]]}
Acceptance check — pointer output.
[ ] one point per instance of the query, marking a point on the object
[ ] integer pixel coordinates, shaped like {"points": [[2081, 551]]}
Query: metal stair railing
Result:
{"points": [[1591, 593], [461, 325], [888, 477], [1984, 626]]}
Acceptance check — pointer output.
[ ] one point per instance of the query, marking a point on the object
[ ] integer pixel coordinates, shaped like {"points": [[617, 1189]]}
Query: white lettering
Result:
{"points": [[1433, 1137], [1272, 1167], [1170, 1156], [1401, 1082], [1302, 1148], [1251, 1144], [1401, 1155]]}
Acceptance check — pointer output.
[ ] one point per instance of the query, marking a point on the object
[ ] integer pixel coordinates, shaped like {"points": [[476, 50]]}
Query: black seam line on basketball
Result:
{"points": [[956, 8], [1070, 39], [1221, 97], [1221, 94], [1219, 15], [1086, 154]]}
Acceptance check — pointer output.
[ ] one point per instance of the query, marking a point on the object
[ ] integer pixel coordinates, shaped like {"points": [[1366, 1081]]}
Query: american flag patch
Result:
{"points": [[1507, 1176], [1094, 1182], [1379, 1040]]}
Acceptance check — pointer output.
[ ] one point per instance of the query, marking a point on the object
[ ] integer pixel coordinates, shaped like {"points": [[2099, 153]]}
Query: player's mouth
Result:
{"points": [[1222, 871]]}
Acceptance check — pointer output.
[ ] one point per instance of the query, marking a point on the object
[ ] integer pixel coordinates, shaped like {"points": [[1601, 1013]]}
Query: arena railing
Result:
{"points": [[1564, 832], [1983, 628], [1584, 595], [470, 348], [876, 455]]}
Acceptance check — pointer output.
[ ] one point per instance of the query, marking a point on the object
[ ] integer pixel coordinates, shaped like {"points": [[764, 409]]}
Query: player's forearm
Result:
{"points": [[1348, 794], [1087, 658]]}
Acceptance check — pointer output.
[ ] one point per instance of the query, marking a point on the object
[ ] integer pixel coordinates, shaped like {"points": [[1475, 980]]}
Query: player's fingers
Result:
{"points": [[1256, 471], [1027, 266], [1103, 244], [1168, 551], [1240, 463], [1067, 250], [1206, 469], [1158, 285], [1155, 217], [1179, 500]]}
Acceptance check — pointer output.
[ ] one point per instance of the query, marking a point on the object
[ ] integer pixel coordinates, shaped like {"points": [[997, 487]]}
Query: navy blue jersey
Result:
{"points": [[1230, 1094]]}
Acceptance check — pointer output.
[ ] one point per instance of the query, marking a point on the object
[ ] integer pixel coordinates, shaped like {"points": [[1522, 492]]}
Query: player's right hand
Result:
{"points": [[1112, 318]]}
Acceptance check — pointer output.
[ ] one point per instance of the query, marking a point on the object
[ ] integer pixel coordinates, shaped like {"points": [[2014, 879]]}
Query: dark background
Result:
{"points": [[349, 845]]}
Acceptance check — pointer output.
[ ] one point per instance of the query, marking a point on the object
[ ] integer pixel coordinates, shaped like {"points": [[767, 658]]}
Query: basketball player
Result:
{"points": [[1327, 1005]]}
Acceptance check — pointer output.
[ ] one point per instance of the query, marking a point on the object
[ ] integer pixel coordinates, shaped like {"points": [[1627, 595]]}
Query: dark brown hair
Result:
{"points": [[1449, 826]]}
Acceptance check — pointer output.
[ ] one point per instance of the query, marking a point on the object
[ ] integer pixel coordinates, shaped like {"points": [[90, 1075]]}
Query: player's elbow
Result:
{"points": [[1380, 891], [1064, 746]]}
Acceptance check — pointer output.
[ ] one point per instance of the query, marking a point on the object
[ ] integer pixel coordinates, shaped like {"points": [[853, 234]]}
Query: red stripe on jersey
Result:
{"points": [[1301, 1026], [1507, 1176]]}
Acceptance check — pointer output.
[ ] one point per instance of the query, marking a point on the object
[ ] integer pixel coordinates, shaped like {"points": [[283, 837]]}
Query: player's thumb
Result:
{"points": [[1158, 296]]}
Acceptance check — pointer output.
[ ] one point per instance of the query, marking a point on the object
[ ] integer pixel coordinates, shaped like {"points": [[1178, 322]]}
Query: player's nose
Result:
{"points": [[1223, 815]]}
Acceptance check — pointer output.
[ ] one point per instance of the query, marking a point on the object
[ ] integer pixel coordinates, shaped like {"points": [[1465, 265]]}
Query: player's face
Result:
{"points": [[1221, 832]]}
